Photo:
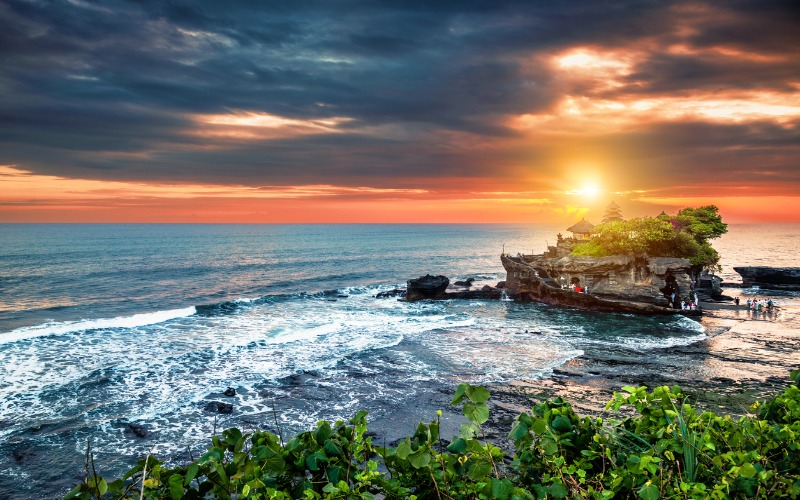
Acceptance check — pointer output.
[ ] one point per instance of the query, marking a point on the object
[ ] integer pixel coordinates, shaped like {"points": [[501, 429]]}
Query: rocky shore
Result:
{"points": [[747, 356]]}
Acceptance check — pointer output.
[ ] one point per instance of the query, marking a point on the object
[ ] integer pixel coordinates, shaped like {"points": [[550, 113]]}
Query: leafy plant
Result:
{"points": [[664, 450]]}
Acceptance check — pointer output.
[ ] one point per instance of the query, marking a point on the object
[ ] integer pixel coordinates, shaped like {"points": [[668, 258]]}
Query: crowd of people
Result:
{"points": [[759, 305]]}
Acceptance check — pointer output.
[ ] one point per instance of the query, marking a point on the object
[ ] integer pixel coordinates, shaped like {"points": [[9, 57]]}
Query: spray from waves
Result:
{"points": [[63, 328]]}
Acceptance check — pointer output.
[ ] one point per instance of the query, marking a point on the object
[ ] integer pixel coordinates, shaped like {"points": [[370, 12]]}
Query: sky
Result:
{"points": [[359, 111]]}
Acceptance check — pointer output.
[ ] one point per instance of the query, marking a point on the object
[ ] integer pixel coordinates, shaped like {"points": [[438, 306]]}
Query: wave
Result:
{"points": [[66, 327], [228, 307]]}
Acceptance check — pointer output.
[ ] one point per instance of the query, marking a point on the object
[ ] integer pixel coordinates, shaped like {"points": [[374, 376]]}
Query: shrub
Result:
{"points": [[667, 449]]}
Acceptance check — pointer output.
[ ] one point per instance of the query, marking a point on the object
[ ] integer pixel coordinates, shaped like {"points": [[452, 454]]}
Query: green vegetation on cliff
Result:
{"points": [[667, 449], [685, 234]]}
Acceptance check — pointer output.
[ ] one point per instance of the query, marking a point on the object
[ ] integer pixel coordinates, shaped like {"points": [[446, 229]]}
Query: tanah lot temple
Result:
{"points": [[617, 283], [582, 231]]}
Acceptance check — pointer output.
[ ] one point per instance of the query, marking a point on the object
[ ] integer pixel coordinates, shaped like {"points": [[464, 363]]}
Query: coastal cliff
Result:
{"points": [[616, 283]]}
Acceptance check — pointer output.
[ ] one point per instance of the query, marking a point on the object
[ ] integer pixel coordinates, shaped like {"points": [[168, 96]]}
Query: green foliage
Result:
{"points": [[667, 449], [684, 235]]}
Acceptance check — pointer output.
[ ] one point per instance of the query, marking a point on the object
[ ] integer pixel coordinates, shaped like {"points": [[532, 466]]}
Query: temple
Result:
{"points": [[618, 283], [613, 213]]}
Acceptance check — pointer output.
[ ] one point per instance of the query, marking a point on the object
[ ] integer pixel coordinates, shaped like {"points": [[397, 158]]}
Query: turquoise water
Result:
{"points": [[109, 328]]}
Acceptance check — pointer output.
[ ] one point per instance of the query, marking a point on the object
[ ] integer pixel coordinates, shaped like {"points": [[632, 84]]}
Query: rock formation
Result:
{"points": [[773, 278], [426, 287], [218, 407], [617, 283]]}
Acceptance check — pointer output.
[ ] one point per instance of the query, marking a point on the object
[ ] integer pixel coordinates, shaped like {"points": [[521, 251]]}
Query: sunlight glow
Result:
{"points": [[588, 191]]}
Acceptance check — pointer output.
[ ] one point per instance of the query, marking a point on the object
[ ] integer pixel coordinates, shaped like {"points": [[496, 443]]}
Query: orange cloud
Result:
{"points": [[30, 197]]}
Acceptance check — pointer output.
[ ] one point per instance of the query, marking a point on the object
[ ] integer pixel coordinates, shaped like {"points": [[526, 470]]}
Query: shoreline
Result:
{"points": [[725, 373]]}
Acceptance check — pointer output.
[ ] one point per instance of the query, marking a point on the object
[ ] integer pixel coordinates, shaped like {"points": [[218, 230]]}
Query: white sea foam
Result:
{"points": [[645, 342], [689, 324], [62, 328]]}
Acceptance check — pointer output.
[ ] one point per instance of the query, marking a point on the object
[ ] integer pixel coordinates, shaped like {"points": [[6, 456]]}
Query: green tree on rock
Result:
{"points": [[685, 235]]}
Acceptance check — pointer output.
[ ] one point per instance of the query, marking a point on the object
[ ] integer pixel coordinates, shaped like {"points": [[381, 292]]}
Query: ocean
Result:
{"points": [[121, 335]]}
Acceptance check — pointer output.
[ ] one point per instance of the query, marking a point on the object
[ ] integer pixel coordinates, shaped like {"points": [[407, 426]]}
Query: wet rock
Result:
{"points": [[426, 287], [230, 392], [218, 407], [467, 282], [483, 294], [136, 429], [397, 292], [500, 284]]}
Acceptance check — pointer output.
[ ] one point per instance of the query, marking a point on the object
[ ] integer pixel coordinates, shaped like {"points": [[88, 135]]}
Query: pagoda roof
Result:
{"points": [[613, 205], [583, 226]]}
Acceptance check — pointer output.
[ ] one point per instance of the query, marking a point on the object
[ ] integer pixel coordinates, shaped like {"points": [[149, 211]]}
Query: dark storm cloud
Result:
{"points": [[109, 89]]}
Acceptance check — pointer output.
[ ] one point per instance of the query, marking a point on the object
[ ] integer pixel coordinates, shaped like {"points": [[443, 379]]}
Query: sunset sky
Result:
{"points": [[397, 111]]}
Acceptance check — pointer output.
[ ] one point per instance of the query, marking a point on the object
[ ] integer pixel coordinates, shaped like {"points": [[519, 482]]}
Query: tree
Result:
{"points": [[685, 235]]}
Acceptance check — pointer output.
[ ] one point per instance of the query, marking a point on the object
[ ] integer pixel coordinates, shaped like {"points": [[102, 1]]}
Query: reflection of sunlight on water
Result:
{"points": [[743, 245], [757, 346]]}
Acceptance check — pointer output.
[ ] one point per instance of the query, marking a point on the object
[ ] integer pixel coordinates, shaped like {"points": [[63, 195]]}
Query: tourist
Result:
{"points": [[770, 304], [748, 303], [736, 301]]}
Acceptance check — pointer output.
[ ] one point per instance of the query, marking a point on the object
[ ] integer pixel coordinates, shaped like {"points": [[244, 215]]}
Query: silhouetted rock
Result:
{"points": [[397, 292], [485, 293], [137, 430], [230, 392], [773, 278], [426, 287], [218, 407], [467, 282]]}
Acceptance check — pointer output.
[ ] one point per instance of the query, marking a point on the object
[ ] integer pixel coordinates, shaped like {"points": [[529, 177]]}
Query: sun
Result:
{"points": [[587, 191]]}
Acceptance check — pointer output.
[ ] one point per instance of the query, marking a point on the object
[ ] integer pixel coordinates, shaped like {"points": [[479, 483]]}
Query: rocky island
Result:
{"points": [[651, 265]]}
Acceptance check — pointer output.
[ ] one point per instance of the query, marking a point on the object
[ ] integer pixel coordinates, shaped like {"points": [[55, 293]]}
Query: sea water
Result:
{"points": [[121, 335]]}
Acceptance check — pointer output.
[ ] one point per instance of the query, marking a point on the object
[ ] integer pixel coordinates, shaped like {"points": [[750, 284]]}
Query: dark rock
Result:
{"points": [[500, 284], [467, 282], [709, 286], [486, 288], [772, 278], [482, 294], [230, 392], [397, 292], [219, 407], [136, 429], [426, 287]]}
